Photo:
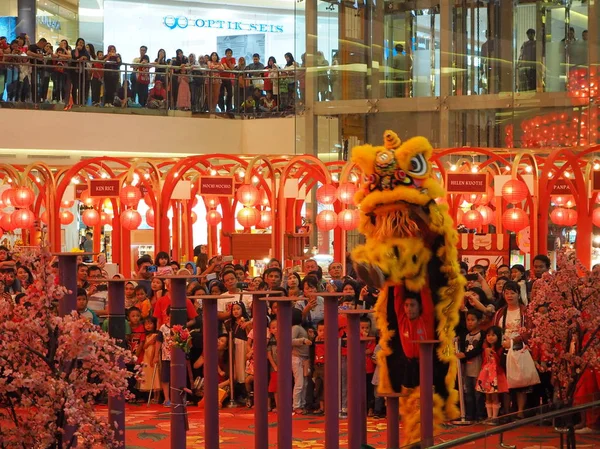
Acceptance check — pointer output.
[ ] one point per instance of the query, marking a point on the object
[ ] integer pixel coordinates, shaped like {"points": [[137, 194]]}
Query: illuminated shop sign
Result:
{"points": [[49, 22], [182, 22]]}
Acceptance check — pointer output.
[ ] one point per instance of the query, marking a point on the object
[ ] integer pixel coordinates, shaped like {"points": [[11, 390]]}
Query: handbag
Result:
{"points": [[520, 368]]}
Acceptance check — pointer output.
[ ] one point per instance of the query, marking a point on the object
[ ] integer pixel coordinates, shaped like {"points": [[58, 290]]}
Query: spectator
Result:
{"points": [[157, 96], [226, 89], [111, 75]]}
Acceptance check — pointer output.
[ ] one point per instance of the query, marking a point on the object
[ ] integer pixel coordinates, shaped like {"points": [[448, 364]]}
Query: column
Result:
{"points": [[356, 365], [178, 365], [426, 387], [27, 11], [310, 90], [116, 329], [445, 62], [393, 420], [67, 275]]}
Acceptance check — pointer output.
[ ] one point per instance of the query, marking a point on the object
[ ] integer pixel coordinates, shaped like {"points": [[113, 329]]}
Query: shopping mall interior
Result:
{"points": [[178, 142]]}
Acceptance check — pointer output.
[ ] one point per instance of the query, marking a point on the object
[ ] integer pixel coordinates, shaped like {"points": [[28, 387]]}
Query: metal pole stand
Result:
{"points": [[461, 392], [231, 402], [426, 348], [392, 405]]}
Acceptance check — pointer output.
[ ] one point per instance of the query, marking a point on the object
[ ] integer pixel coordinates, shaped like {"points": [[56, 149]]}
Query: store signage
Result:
{"points": [[562, 187], [466, 182], [79, 189], [183, 22], [596, 180], [216, 185], [105, 188], [48, 22]]}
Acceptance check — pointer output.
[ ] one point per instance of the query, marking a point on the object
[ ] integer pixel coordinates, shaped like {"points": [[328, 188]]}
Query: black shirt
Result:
{"points": [[33, 48]]}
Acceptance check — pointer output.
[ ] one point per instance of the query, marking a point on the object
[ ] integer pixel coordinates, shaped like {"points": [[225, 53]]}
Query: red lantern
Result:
{"points": [[213, 217], [562, 200], [326, 220], [348, 219], [44, 217], [87, 200], [148, 199], [23, 197], [459, 216], [211, 202], [6, 223], [90, 217], [326, 194], [264, 198], [485, 198], [265, 219], [66, 217], [248, 217], [558, 216], [106, 219], [22, 218], [471, 198], [514, 191], [596, 217], [194, 217], [570, 217], [515, 219], [345, 193], [67, 204], [150, 217], [131, 219], [130, 196], [8, 197], [247, 195], [472, 219], [487, 215]]}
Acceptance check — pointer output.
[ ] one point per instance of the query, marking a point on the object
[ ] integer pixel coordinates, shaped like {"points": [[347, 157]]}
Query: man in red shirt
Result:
{"points": [[228, 62]]}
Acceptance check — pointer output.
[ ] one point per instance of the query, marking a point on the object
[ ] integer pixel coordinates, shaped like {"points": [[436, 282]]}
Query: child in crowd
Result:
{"points": [[163, 347], [470, 350], [135, 341], [268, 103], [149, 380], [318, 359], [249, 382], [272, 358], [492, 379], [365, 331], [142, 302], [82, 307], [300, 361]]}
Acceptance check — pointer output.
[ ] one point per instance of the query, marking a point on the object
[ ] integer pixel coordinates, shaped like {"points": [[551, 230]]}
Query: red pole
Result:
{"points": [[126, 253], [176, 222], [116, 241]]}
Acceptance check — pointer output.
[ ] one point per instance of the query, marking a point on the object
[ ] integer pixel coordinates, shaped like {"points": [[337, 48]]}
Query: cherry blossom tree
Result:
{"points": [[52, 368]]}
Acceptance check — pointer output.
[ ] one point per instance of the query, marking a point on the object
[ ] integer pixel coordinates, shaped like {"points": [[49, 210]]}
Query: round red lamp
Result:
{"points": [[106, 219], [265, 219], [326, 194], [6, 223], [90, 217], [472, 219], [130, 196], [194, 217], [67, 204], [150, 217], [248, 217], [570, 217], [22, 218], [213, 217], [131, 219], [326, 220], [596, 217], [348, 219], [514, 191], [515, 219], [247, 195], [487, 215], [23, 197], [66, 217], [345, 193], [87, 200], [211, 202], [8, 197], [44, 217]]}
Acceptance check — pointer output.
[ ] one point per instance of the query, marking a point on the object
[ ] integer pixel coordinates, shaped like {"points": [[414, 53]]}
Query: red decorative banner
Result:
{"points": [[105, 188], [596, 180], [466, 182], [79, 189], [562, 187], [216, 186]]}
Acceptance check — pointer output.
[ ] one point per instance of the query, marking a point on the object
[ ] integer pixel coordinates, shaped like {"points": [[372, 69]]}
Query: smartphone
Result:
{"points": [[151, 269], [227, 258], [242, 285], [472, 277], [211, 277]]}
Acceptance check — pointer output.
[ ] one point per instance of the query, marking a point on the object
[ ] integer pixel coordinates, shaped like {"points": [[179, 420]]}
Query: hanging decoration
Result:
{"points": [[326, 220], [66, 217], [348, 219], [515, 219], [265, 219], [514, 191], [247, 195], [130, 196], [22, 218], [23, 197], [326, 194], [472, 219], [90, 217], [150, 218], [248, 217], [131, 219], [213, 217], [345, 193]]}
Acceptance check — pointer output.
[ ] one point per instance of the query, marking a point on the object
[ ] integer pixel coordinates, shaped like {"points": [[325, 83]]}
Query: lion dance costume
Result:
{"points": [[410, 253]]}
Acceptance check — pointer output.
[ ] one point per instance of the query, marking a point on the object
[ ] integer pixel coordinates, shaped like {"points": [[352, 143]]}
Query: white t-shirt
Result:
{"points": [[222, 303], [98, 301], [512, 325]]}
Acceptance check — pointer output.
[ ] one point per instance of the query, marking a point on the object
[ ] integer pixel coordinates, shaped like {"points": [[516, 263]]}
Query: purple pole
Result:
{"points": [[426, 388], [67, 274], [116, 329], [178, 366], [261, 391], [393, 432], [332, 390], [363, 390], [355, 360], [211, 372], [284, 370]]}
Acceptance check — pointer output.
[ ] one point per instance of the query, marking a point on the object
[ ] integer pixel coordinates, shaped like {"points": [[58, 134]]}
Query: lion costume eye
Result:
{"points": [[418, 165]]}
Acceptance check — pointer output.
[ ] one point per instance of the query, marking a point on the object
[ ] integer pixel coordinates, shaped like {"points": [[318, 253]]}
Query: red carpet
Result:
{"points": [[148, 428]]}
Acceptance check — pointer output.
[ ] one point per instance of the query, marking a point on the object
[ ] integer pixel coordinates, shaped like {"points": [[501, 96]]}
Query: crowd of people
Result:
{"points": [[493, 318], [227, 83]]}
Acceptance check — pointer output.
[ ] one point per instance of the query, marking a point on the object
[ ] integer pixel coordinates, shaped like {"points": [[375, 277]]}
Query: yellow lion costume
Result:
{"points": [[410, 254]]}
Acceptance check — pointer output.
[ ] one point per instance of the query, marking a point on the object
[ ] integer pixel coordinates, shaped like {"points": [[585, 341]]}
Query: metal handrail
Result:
{"points": [[515, 425]]}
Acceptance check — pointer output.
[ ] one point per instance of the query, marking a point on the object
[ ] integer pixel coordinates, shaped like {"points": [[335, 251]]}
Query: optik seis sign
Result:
{"points": [[183, 22]]}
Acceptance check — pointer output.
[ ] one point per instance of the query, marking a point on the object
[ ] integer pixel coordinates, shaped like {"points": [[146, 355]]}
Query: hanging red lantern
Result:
{"points": [[348, 219], [194, 217], [248, 217], [87, 200], [23, 197], [265, 219], [130, 196], [326, 194], [22, 218], [247, 195], [8, 197], [472, 219], [485, 198], [66, 217], [67, 204], [558, 216], [471, 198], [211, 202], [514, 191], [570, 217], [487, 215], [326, 220], [90, 217], [106, 219], [515, 219], [148, 199], [6, 223], [264, 199], [131, 219], [459, 217], [345, 193], [150, 217], [44, 217], [596, 217], [213, 217], [562, 200]]}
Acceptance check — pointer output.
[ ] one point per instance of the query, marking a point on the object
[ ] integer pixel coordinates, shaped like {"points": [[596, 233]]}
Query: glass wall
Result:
{"points": [[57, 20]]}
